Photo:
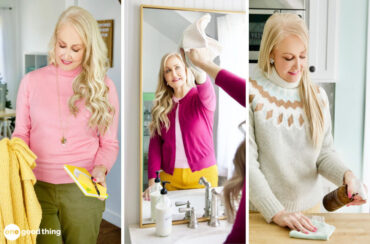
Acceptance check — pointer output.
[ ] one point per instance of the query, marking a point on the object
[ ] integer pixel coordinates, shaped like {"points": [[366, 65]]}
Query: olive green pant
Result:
{"points": [[68, 216]]}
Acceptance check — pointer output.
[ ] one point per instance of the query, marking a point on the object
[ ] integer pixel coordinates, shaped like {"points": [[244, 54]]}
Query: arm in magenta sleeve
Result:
{"points": [[108, 143], [23, 120], [154, 155], [237, 234], [207, 94], [232, 85]]}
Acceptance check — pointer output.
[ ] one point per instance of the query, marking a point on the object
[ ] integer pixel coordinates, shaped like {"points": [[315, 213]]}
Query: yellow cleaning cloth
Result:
{"points": [[19, 204]]}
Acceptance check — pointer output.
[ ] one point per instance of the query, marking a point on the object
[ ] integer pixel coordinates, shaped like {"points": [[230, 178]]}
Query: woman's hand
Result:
{"points": [[146, 193], [199, 75], [199, 57], [295, 221], [98, 174], [351, 181]]}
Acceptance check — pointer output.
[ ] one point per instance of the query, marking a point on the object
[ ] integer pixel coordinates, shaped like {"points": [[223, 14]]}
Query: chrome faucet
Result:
{"points": [[207, 208], [187, 203], [193, 222], [213, 221]]}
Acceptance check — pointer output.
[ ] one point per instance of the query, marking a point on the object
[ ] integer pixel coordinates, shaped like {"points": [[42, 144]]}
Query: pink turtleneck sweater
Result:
{"points": [[38, 123]]}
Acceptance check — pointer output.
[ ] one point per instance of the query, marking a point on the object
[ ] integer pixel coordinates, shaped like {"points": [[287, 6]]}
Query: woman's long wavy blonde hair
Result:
{"points": [[235, 184], [89, 85], [163, 96], [278, 27]]}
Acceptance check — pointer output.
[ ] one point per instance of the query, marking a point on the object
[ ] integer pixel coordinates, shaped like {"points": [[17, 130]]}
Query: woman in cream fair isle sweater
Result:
{"points": [[290, 141]]}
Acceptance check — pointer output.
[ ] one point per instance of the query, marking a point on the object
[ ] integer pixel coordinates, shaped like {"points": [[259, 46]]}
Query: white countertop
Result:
{"points": [[181, 234]]}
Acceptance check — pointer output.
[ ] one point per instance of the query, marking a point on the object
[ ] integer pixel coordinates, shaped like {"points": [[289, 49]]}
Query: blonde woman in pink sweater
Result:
{"points": [[67, 112]]}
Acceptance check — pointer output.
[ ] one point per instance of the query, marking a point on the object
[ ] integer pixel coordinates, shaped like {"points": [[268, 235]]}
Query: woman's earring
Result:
{"points": [[271, 61]]}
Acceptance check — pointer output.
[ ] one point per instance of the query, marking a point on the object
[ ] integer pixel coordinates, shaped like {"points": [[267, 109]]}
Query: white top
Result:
{"points": [[181, 162]]}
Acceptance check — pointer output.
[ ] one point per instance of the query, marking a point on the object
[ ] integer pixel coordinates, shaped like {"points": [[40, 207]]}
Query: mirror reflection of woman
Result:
{"points": [[181, 143], [67, 113], [290, 140]]}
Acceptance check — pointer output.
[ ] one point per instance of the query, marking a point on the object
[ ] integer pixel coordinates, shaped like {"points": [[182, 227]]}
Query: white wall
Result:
{"points": [[151, 62], [350, 87], [131, 93], [37, 22], [32, 33]]}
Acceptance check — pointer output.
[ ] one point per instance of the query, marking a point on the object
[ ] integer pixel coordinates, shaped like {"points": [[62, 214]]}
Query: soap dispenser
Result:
{"points": [[163, 222], [155, 193]]}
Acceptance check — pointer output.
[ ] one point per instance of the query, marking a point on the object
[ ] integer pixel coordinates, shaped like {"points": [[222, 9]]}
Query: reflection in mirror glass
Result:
{"points": [[207, 151]]}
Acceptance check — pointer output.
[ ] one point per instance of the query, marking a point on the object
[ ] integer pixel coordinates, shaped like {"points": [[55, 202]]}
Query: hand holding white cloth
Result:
{"points": [[194, 36]]}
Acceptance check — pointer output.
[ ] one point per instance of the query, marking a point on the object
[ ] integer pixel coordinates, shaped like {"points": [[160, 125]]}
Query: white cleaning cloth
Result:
{"points": [[324, 231], [195, 36]]}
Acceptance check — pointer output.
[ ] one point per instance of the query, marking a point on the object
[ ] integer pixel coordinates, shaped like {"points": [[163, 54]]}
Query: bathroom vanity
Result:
{"points": [[350, 228], [181, 234]]}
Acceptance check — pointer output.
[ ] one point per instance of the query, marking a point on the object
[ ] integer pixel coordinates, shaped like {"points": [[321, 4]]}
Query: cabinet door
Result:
{"points": [[323, 23]]}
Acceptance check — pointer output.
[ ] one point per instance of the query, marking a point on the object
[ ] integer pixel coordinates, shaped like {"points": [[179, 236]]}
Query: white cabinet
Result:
{"points": [[323, 27]]}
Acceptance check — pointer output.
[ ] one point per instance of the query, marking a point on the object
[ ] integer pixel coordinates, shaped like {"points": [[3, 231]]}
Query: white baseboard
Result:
{"points": [[112, 217]]}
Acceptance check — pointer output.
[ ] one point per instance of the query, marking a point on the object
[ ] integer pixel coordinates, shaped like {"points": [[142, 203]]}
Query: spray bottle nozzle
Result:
{"points": [[157, 179], [164, 190]]}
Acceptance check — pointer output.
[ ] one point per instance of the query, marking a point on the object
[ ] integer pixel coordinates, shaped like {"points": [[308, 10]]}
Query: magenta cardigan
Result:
{"points": [[235, 87], [196, 123], [237, 234], [232, 85]]}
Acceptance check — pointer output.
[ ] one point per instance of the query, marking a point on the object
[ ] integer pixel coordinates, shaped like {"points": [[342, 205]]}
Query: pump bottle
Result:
{"points": [[155, 193], [163, 222]]}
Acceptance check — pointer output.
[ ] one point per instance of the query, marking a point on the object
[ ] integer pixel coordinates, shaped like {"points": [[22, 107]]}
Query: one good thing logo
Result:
{"points": [[12, 232]]}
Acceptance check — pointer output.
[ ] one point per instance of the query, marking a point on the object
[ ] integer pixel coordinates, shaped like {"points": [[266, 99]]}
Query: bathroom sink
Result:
{"points": [[196, 198]]}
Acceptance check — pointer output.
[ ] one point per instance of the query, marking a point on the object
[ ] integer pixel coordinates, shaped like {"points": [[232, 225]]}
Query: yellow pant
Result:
{"points": [[183, 179]]}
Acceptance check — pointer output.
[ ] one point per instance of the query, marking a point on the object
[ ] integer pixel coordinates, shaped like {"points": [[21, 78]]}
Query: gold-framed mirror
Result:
{"points": [[161, 32]]}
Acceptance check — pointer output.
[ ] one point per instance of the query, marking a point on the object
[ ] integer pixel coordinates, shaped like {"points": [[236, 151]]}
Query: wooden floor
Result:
{"points": [[109, 234]]}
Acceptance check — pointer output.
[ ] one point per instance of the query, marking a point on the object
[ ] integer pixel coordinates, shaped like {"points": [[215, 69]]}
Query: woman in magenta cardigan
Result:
{"points": [[235, 87], [181, 143]]}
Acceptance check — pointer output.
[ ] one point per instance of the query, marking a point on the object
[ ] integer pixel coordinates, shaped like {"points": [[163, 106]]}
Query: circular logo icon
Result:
{"points": [[12, 232]]}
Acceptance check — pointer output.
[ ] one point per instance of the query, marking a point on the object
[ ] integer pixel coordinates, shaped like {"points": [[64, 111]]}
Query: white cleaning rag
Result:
{"points": [[324, 230], [195, 36]]}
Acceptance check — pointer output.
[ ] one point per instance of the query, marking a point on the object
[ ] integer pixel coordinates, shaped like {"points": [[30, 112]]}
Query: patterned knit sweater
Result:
{"points": [[284, 166]]}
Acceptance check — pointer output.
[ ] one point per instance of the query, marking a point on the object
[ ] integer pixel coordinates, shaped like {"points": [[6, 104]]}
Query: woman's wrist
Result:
{"points": [[211, 69], [101, 167], [151, 182], [348, 176]]}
